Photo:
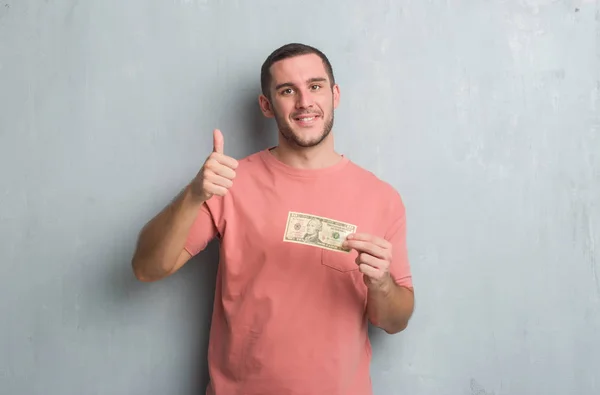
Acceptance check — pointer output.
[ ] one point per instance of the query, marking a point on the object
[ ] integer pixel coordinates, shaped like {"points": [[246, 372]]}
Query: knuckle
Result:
{"points": [[208, 166]]}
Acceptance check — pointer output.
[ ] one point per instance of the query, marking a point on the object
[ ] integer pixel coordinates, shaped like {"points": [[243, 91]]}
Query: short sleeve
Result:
{"points": [[396, 235], [203, 230]]}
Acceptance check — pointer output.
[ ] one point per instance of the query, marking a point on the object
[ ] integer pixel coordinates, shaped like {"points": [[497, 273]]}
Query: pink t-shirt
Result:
{"points": [[290, 318]]}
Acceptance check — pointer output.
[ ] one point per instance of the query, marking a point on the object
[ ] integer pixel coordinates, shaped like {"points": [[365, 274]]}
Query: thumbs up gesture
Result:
{"points": [[217, 174]]}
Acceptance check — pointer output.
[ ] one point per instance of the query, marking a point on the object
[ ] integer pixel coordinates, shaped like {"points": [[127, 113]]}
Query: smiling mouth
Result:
{"points": [[306, 119]]}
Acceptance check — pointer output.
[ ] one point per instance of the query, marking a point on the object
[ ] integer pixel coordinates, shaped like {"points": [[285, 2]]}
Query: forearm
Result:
{"points": [[390, 307], [162, 239]]}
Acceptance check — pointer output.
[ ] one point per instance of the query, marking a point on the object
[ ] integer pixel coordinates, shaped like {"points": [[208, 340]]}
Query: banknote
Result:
{"points": [[317, 231]]}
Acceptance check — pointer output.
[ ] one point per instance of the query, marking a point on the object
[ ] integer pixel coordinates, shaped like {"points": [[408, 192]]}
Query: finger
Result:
{"points": [[366, 259], [224, 160], [368, 247], [215, 179], [216, 190], [371, 238], [221, 170], [218, 141], [369, 271]]}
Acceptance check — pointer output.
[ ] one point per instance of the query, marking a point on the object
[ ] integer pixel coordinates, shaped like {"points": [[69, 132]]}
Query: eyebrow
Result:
{"points": [[315, 79]]}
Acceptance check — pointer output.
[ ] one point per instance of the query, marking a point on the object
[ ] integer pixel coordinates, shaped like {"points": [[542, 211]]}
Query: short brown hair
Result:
{"points": [[289, 51]]}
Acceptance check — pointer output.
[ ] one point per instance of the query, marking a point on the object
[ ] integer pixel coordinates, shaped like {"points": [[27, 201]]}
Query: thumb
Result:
{"points": [[218, 141]]}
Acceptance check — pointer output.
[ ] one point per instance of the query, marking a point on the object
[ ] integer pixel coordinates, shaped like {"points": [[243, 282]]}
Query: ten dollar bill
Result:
{"points": [[317, 231]]}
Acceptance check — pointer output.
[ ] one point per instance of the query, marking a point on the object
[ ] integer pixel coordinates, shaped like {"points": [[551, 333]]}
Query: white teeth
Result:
{"points": [[307, 119]]}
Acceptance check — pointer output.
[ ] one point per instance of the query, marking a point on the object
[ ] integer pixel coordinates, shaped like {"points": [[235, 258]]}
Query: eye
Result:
{"points": [[287, 91], [315, 87]]}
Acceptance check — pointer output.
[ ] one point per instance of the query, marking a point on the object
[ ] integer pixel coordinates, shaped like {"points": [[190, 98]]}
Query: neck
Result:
{"points": [[317, 157]]}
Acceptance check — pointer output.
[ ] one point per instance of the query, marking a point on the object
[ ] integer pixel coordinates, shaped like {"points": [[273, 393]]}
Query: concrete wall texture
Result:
{"points": [[484, 115]]}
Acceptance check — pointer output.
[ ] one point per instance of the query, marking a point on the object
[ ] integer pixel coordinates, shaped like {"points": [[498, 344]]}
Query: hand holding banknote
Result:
{"points": [[373, 260]]}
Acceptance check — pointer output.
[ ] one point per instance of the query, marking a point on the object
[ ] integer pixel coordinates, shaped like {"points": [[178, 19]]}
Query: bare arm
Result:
{"points": [[160, 249], [390, 307]]}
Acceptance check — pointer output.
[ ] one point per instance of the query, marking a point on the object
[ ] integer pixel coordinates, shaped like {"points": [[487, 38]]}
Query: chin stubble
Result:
{"points": [[289, 135]]}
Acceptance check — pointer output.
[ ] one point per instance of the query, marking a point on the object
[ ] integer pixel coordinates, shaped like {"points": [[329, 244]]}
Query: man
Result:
{"points": [[290, 317]]}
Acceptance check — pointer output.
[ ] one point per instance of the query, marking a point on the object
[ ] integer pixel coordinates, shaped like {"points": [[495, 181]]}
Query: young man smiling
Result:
{"points": [[291, 312]]}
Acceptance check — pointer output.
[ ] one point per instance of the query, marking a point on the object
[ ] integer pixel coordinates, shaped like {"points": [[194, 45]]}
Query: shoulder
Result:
{"points": [[370, 181], [379, 193], [250, 164]]}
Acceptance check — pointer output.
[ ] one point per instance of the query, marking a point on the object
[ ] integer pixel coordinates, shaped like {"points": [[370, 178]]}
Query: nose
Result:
{"points": [[304, 99]]}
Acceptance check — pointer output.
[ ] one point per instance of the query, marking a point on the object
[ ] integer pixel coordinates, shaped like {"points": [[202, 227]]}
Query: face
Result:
{"points": [[302, 100], [312, 227]]}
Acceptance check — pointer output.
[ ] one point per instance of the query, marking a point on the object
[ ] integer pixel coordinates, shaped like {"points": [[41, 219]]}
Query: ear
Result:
{"points": [[265, 106], [336, 95]]}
